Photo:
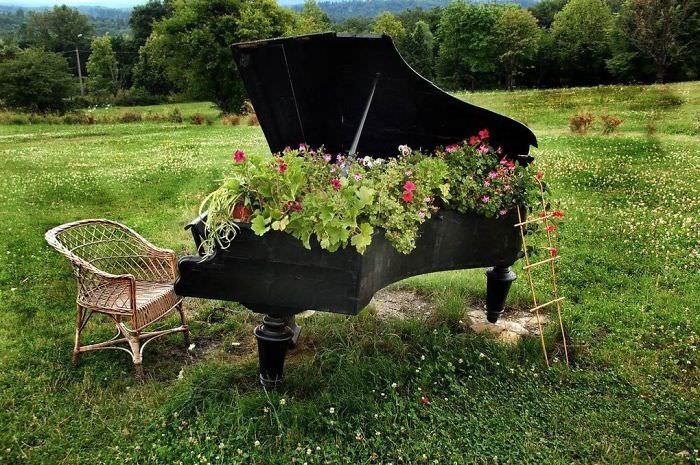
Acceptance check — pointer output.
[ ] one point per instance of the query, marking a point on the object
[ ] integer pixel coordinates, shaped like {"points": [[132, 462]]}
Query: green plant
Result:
{"points": [[130, 117], [231, 119], [341, 200]]}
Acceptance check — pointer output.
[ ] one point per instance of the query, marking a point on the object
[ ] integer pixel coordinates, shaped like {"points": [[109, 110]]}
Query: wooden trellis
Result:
{"points": [[544, 217]]}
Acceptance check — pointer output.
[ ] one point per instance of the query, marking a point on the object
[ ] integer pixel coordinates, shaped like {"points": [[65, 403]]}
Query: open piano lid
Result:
{"points": [[316, 89]]}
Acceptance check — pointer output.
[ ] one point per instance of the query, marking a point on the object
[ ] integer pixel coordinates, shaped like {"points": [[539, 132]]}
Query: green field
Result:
{"points": [[630, 248]]}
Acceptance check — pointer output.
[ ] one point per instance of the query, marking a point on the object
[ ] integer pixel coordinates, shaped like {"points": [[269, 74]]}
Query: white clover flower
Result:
{"points": [[331, 410], [394, 385], [283, 401], [482, 355], [257, 443]]}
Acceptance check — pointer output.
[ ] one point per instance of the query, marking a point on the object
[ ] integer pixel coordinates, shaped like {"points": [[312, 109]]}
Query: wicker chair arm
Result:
{"points": [[109, 292]]}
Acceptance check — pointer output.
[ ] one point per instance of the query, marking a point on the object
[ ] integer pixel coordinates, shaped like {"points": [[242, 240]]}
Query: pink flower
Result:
{"points": [[409, 186], [503, 211], [493, 174], [358, 176], [487, 183], [483, 149], [485, 199], [506, 188], [510, 164], [539, 175], [407, 196], [281, 165], [238, 156], [327, 157], [336, 184], [473, 140], [484, 134], [452, 148], [408, 173], [302, 148], [421, 214]]}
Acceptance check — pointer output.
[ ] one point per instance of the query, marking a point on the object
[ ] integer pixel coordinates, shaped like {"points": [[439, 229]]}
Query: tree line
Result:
{"points": [[184, 47]]}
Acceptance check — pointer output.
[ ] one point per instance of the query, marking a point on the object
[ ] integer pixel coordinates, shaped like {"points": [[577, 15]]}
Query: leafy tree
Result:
{"points": [[387, 23], [103, 77], [655, 29], [36, 80], [581, 35], [144, 16], [419, 49], [545, 10], [58, 30], [468, 48], [359, 25], [151, 71], [311, 19], [517, 37], [127, 52], [197, 40]]}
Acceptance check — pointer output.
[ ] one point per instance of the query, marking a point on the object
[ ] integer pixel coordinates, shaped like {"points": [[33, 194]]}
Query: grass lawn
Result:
{"points": [[630, 248]]}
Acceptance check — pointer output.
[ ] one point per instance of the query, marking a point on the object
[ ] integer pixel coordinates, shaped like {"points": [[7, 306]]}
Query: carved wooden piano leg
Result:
{"points": [[273, 337], [498, 281]]}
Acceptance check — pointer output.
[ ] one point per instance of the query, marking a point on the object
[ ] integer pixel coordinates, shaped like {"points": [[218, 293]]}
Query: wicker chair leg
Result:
{"points": [[135, 345], [78, 329], [186, 332]]}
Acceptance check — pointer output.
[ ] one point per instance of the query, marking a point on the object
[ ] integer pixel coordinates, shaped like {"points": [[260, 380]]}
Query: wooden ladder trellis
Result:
{"points": [[544, 217]]}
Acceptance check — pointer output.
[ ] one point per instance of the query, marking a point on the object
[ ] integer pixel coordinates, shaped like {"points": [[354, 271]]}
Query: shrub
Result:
{"points": [[175, 116], [581, 123], [130, 117], [136, 96], [610, 123], [231, 120], [79, 117], [198, 119], [253, 120]]}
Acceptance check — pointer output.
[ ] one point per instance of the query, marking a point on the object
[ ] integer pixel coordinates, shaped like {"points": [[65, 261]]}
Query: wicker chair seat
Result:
{"points": [[153, 300]]}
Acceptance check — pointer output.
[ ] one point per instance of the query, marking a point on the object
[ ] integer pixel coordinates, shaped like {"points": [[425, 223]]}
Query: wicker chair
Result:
{"points": [[122, 275]]}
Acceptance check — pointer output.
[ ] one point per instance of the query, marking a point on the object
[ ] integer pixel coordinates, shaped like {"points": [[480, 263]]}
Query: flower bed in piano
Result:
{"points": [[340, 200]]}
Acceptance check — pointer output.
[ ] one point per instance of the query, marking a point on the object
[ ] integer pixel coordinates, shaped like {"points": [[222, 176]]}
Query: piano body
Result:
{"points": [[354, 95]]}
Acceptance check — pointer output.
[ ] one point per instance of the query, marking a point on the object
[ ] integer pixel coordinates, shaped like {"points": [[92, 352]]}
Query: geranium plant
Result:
{"points": [[341, 200]]}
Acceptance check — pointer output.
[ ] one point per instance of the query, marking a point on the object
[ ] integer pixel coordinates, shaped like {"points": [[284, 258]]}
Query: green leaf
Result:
{"points": [[258, 225], [366, 195], [362, 239]]}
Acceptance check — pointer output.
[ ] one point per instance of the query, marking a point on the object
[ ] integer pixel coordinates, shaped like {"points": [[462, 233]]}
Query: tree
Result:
{"points": [[581, 36], [419, 49], [467, 44], [103, 76], [655, 30], [151, 71], [387, 23], [36, 80], [61, 29], [197, 42], [311, 19], [545, 10], [144, 16], [517, 37]]}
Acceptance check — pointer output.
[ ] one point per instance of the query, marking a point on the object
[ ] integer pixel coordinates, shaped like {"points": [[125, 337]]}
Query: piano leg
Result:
{"points": [[274, 337], [498, 282]]}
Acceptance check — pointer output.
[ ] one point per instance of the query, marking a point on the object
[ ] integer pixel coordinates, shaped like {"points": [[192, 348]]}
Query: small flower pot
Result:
{"points": [[242, 213]]}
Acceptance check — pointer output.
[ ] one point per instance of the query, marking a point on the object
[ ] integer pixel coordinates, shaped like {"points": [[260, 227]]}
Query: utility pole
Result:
{"points": [[80, 73]]}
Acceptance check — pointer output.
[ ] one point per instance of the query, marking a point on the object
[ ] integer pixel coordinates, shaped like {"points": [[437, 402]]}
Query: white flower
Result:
{"points": [[394, 385], [422, 357], [181, 374], [257, 443], [482, 355], [191, 347], [283, 401], [331, 410]]}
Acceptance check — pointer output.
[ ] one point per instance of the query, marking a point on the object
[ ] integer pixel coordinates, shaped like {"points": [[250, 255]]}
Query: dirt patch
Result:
{"points": [[402, 304]]}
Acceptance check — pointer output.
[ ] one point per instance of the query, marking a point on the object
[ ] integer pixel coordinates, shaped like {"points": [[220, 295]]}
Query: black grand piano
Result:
{"points": [[354, 95]]}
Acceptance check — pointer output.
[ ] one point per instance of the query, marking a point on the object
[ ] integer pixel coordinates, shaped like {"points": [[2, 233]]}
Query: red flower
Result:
{"points": [[551, 228], [425, 400], [294, 206], [238, 156], [539, 175], [409, 186], [553, 251], [336, 184], [484, 133], [473, 140], [543, 214], [557, 214], [281, 165], [407, 196]]}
